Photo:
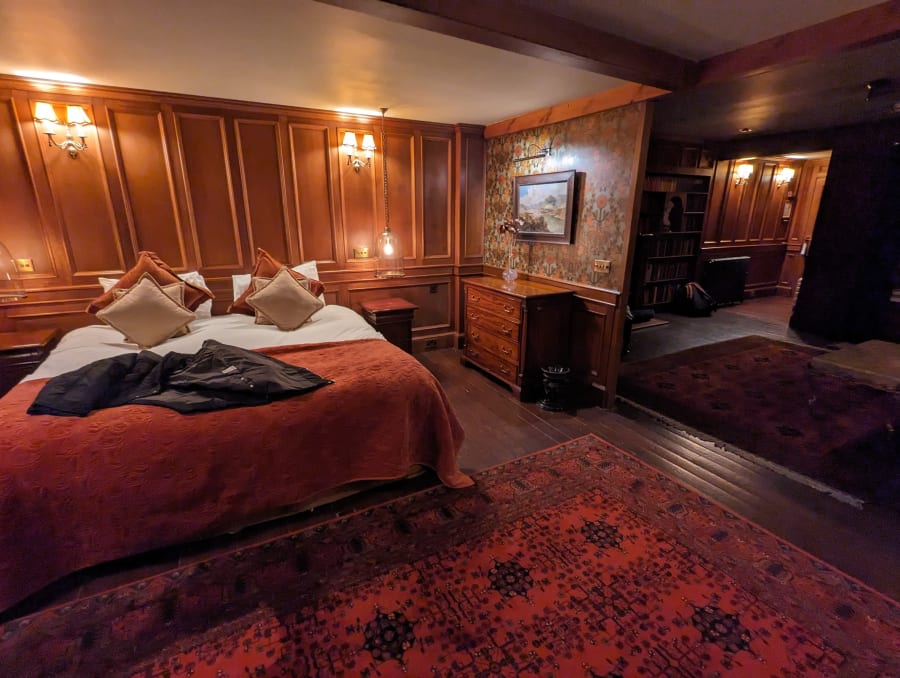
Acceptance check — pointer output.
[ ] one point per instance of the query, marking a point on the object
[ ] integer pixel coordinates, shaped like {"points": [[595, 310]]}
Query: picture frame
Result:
{"points": [[544, 202]]}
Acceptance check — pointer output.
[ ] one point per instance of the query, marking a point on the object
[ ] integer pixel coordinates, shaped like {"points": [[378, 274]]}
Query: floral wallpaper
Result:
{"points": [[601, 148]]}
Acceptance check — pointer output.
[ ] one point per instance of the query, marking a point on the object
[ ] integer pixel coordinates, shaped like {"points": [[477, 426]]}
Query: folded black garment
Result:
{"points": [[217, 377]]}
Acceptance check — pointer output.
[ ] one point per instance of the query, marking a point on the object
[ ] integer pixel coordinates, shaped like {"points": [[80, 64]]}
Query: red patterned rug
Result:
{"points": [[579, 560], [761, 396]]}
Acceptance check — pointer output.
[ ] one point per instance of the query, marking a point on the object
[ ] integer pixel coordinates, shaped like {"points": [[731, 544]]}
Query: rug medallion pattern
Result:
{"points": [[576, 561]]}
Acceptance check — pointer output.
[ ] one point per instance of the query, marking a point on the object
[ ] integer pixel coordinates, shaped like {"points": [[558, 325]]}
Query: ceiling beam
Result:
{"points": [[594, 103], [507, 25], [878, 23]]}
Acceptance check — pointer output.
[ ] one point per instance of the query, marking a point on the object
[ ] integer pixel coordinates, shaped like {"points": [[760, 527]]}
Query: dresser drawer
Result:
{"points": [[502, 327], [483, 337], [507, 371], [502, 306]]}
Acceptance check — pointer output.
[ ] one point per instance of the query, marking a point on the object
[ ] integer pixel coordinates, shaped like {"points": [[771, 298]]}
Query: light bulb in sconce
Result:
{"points": [[784, 176], [742, 173]]}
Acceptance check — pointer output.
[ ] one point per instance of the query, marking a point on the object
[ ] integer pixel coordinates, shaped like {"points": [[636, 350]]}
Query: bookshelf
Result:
{"points": [[677, 181]]}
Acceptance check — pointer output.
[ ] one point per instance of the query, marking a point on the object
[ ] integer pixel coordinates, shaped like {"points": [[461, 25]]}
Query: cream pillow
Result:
{"points": [[284, 301], [176, 292], [259, 283], [145, 314], [204, 310]]}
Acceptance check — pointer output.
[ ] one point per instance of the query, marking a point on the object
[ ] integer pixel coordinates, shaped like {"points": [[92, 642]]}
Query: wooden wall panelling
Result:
{"points": [[404, 196], [471, 187], [591, 340], [433, 325], [721, 182], [145, 177], [82, 200], [437, 205], [22, 226], [361, 206], [210, 193], [314, 173], [263, 186]]}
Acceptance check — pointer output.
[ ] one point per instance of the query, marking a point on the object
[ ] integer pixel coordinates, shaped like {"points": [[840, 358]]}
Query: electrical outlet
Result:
{"points": [[360, 252], [25, 265], [602, 265]]}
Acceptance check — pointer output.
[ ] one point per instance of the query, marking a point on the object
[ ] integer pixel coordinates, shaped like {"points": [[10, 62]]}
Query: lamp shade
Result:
{"points": [[744, 170], [368, 142], [77, 116], [785, 174], [44, 111], [349, 140], [11, 288]]}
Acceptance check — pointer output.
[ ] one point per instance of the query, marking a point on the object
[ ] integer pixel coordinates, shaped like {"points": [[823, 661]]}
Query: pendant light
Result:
{"points": [[387, 246]]}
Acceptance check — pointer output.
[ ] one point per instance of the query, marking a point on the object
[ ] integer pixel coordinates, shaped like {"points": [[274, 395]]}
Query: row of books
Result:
{"points": [[667, 270]]}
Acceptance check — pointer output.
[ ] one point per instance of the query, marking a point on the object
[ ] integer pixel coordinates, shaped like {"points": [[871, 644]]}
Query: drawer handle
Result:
{"points": [[504, 369], [474, 316], [508, 308], [476, 336], [505, 351], [474, 297], [506, 330]]}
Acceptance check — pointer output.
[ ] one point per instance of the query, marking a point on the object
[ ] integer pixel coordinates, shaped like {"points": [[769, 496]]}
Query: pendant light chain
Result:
{"points": [[387, 218]]}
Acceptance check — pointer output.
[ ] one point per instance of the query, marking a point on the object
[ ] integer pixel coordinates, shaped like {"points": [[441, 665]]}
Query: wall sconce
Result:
{"points": [[11, 288], [76, 119], [742, 173], [784, 176], [349, 147], [539, 152]]}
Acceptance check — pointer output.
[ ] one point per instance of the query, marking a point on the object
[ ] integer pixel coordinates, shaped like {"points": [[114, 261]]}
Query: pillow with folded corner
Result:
{"points": [[258, 284], [175, 290], [148, 262], [266, 267], [204, 310], [284, 301], [145, 314]]}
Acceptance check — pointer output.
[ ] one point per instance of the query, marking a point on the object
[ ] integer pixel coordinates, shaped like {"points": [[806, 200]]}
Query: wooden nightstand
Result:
{"points": [[392, 317], [21, 353]]}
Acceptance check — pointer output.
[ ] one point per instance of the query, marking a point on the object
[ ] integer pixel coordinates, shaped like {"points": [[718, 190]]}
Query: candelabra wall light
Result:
{"points": [[742, 173], [784, 176], [77, 121], [349, 146]]}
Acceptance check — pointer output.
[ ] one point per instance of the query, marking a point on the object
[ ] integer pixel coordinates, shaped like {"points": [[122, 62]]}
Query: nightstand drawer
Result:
{"points": [[21, 353]]}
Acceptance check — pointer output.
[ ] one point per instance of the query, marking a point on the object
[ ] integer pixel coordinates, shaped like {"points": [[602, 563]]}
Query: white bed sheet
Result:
{"points": [[96, 342]]}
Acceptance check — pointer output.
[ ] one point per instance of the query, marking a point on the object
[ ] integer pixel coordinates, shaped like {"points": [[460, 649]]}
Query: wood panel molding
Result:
{"points": [[203, 182]]}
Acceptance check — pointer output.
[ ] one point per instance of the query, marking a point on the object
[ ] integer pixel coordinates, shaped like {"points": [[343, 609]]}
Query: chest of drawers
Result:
{"points": [[514, 329]]}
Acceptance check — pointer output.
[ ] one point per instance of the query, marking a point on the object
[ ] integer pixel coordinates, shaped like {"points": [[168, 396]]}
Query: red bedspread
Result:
{"points": [[79, 491]]}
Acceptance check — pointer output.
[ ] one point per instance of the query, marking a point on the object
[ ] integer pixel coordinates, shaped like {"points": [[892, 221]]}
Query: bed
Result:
{"points": [[78, 491]]}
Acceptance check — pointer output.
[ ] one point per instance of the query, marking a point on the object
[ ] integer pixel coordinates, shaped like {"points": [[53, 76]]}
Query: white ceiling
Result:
{"points": [[303, 53]]}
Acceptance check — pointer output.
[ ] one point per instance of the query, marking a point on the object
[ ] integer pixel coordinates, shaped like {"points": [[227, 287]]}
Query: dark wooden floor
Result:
{"points": [[865, 543]]}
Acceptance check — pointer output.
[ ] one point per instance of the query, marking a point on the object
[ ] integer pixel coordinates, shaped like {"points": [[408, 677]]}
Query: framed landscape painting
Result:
{"points": [[544, 203]]}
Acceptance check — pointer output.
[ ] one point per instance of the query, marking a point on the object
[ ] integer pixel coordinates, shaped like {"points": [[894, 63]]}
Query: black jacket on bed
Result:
{"points": [[217, 377]]}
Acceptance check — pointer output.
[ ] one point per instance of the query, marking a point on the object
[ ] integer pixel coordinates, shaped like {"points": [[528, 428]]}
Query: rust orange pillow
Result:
{"points": [[148, 262], [268, 266]]}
